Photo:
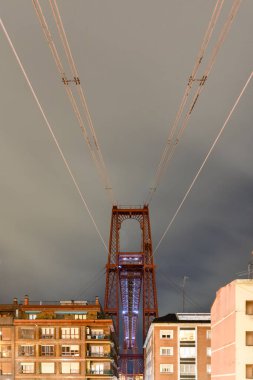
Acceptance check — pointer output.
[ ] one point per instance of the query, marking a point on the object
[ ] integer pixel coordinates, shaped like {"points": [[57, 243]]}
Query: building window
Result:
{"points": [[249, 338], [208, 334], [26, 350], [70, 350], [97, 369], [249, 371], [166, 334], [70, 333], [166, 368], [249, 307], [96, 351], [187, 369], [188, 335], [26, 333], [80, 316], [26, 367], [166, 351], [5, 333], [97, 334], [208, 351], [187, 352], [47, 333], [208, 369], [32, 316], [47, 368], [47, 350], [5, 351], [70, 367]]}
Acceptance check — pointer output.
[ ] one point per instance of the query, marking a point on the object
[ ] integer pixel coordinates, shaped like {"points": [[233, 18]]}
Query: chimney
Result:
{"points": [[15, 301], [97, 300], [26, 300]]}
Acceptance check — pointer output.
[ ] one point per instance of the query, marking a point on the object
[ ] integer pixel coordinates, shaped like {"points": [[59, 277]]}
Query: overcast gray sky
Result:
{"points": [[134, 59]]}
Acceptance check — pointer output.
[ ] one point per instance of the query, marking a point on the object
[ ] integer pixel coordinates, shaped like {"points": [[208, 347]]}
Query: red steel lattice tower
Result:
{"points": [[130, 275]]}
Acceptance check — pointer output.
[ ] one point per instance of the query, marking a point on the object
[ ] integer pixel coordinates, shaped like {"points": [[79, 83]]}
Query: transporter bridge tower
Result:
{"points": [[130, 283]]}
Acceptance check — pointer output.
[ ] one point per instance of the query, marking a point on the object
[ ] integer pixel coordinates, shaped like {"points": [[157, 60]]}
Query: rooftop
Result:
{"points": [[184, 318]]}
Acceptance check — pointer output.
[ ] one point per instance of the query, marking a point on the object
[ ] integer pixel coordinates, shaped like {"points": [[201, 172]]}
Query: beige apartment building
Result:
{"points": [[59, 340], [178, 347], [232, 332]]}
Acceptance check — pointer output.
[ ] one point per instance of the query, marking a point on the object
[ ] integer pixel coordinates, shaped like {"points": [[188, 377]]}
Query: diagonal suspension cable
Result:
{"points": [[53, 135], [63, 36], [203, 164], [90, 137], [174, 136]]}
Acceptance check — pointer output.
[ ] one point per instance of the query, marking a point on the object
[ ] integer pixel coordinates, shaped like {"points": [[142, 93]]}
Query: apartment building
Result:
{"points": [[178, 347], [232, 332], [59, 340]]}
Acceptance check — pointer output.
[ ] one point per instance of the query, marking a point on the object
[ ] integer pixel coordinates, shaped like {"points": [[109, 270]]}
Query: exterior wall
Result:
{"points": [[158, 359], [244, 323], [92, 347], [6, 348], [231, 353], [203, 342], [153, 359], [223, 334]]}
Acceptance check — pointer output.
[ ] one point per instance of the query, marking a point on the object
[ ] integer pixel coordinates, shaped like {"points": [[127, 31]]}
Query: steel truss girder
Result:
{"points": [[128, 274]]}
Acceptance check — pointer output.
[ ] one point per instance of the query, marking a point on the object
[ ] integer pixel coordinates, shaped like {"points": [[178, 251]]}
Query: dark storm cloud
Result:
{"points": [[134, 60]]}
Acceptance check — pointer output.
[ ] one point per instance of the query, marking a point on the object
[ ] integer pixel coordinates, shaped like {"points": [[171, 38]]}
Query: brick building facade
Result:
{"points": [[68, 339], [178, 347]]}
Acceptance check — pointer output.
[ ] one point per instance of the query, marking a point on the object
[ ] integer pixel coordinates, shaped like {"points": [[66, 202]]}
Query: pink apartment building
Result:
{"points": [[232, 332]]}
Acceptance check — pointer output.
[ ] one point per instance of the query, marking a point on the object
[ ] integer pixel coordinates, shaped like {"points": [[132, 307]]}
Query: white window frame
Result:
{"points": [[186, 369], [22, 329], [192, 352], [208, 368], [208, 352], [69, 367], [32, 316], [166, 368], [27, 367], [97, 368], [27, 350], [208, 334], [97, 333], [81, 316], [70, 333], [166, 334], [166, 351], [47, 367], [47, 348], [47, 332], [187, 332], [70, 350]]}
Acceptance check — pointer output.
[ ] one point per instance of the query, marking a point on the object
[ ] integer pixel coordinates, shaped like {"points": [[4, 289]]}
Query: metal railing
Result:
{"points": [[99, 372], [98, 354], [97, 337]]}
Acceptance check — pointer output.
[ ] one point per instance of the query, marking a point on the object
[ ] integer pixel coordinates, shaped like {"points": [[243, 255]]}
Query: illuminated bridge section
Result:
{"points": [[130, 276]]}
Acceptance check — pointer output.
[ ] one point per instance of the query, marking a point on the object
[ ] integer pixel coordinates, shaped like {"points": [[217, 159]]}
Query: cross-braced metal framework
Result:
{"points": [[128, 275]]}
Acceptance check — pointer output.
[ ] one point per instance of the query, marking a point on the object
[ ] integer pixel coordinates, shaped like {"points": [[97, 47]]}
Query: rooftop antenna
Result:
{"points": [[183, 290], [250, 268]]}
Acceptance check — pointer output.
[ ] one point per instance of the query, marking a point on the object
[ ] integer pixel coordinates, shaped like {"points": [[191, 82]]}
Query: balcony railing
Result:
{"points": [[98, 354], [99, 372], [100, 336]]}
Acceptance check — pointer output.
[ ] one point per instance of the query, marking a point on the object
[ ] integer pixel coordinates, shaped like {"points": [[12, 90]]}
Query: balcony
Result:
{"points": [[105, 372], [99, 354], [98, 337]]}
